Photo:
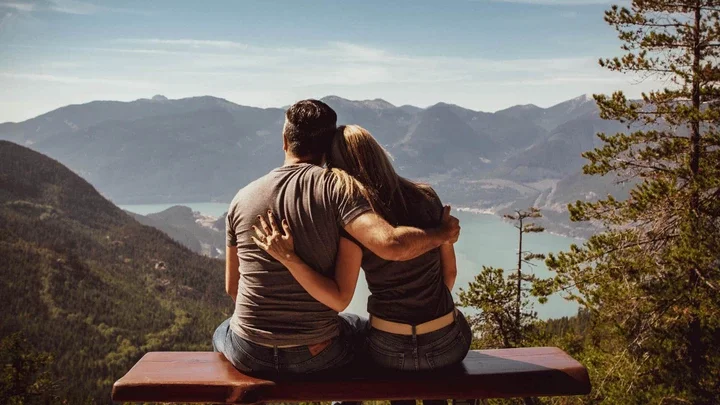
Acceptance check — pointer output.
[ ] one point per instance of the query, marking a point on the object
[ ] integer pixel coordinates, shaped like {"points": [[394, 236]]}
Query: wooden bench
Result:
{"points": [[209, 377]]}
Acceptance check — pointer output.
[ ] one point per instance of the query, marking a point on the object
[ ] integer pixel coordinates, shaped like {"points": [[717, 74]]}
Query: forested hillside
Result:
{"points": [[85, 282]]}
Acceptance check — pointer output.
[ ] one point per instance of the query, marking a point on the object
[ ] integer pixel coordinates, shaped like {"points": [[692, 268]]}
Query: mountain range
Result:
{"points": [[199, 233], [91, 286], [205, 148]]}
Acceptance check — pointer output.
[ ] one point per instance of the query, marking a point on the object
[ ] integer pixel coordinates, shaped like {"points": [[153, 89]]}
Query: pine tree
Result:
{"points": [[651, 278], [506, 317], [526, 257], [24, 376]]}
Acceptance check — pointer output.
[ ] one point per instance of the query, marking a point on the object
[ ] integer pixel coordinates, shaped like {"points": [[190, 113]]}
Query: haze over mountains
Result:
{"points": [[205, 148]]}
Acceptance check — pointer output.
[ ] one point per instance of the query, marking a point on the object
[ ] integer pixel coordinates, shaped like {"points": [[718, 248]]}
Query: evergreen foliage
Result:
{"points": [[24, 376], [85, 283], [506, 317], [650, 280]]}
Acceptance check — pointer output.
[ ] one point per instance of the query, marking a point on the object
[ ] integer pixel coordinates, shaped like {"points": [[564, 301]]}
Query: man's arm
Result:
{"points": [[403, 242], [232, 271]]}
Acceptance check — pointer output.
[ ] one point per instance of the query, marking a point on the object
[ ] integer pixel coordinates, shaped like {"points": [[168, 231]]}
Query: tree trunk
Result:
{"points": [[519, 283], [694, 338]]}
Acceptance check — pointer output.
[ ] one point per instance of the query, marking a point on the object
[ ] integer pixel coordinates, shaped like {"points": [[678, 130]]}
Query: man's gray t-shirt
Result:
{"points": [[271, 306]]}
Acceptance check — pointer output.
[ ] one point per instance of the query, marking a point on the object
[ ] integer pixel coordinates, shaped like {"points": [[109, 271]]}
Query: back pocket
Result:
{"points": [[337, 354], [384, 356], [451, 352]]}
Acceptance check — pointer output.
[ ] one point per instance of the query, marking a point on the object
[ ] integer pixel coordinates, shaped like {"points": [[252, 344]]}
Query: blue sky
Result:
{"points": [[482, 54]]}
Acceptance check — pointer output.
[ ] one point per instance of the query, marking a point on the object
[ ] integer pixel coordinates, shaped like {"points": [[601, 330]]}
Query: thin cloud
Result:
{"points": [[134, 50], [335, 63], [258, 75], [191, 43], [6, 19], [62, 65], [74, 7], [74, 80], [569, 14], [563, 80], [218, 55], [66, 7], [560, 2], [19, 6]]}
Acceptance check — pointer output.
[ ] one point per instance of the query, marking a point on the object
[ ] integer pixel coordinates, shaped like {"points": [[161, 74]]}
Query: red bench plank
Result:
{"points": [[209, 377]]}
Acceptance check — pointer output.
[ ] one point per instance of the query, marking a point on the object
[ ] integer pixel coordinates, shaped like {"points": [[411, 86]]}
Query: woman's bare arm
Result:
{"points": [[335, 293], [449, 265]]}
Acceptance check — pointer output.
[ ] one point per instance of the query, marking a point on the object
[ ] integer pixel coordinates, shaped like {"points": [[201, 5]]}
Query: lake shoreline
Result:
{"points": [[487, 240], [217, 209]]}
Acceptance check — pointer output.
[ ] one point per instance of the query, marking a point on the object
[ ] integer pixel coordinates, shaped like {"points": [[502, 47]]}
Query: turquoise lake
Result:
{"points": [[484, 240]]}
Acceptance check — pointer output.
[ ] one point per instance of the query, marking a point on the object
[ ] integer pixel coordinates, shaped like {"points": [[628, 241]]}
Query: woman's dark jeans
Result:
{"points": [[431, 351], [268, 362]]}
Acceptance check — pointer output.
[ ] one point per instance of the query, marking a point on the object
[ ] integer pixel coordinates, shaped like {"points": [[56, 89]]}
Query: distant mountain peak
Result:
{"points": [[375, 104], [582, 102], [335, 99], [520, 108], [447, 106], [579, 100], [378, 103], [411, 109], [159, 97], [583, 98]]}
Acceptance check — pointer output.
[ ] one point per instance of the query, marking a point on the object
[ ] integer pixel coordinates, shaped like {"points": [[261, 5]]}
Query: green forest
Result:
{"points": [[87, 290], [647, 282]]}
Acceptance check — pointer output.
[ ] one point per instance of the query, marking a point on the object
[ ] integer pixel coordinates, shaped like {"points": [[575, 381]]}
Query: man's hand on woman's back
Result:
{"points": [[449, 226]]}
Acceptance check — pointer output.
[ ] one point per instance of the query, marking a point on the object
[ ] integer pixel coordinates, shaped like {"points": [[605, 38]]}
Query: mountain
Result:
{"points": [[190, 229], [514, 129], [341, 103], [219, 224], [578, 107], [386, 122], [205, 148], [88, 284], [410, 109], [439, 141], [559, 154], [195, 155], [76, 117]]}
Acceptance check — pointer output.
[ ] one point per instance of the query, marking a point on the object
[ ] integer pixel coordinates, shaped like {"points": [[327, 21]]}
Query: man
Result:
{"points": [[277, 327]]}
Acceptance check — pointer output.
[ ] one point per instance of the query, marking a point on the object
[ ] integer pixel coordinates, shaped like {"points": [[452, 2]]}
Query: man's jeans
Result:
{"points": [[253, 359]]}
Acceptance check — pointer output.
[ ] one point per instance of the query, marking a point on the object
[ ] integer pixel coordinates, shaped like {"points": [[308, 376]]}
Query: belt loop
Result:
{"points": [[415, 347], [276, 358]]}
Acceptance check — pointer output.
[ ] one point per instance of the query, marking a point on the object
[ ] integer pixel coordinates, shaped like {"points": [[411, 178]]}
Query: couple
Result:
{"points": [[296, 239]]}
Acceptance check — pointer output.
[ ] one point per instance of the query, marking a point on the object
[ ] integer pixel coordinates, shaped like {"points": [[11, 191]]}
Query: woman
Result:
{"points": [[414, 323]]}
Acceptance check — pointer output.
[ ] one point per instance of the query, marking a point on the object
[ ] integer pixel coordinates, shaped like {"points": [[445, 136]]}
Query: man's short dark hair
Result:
{"points": [[310, 128]]}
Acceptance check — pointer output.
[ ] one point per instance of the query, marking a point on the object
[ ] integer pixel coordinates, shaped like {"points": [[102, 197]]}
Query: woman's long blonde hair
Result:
{"points": [[364, 167]]}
